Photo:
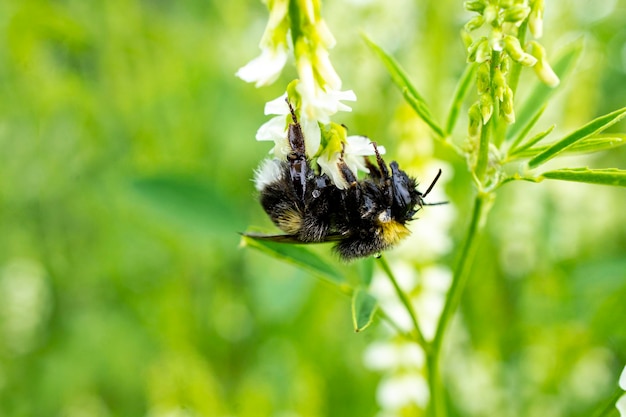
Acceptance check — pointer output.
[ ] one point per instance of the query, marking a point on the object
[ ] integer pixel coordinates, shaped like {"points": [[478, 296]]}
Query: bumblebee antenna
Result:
{"points": [[430, 187], [432, 184]]}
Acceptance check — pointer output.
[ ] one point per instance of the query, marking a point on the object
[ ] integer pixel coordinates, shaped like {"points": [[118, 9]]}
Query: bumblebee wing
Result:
{"points": [[293, 239]]}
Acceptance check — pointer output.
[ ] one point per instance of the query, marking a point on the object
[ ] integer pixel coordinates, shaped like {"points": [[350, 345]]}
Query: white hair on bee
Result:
{"points": [[268, 172]]}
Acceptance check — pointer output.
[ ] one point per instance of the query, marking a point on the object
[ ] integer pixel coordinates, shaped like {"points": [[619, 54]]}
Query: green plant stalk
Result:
{"points": [[407, 303], [437, 405], [482, 205], [483, 151]]}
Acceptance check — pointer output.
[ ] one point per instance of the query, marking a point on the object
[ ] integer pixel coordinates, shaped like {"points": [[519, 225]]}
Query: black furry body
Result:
{"points": [[365, 219]]}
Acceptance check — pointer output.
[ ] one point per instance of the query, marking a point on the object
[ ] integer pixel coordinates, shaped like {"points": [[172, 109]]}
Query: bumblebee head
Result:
{"points": [[407, 200], [406, 197]]}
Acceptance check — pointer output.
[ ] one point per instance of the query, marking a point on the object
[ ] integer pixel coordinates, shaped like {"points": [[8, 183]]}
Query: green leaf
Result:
{"points": [[189, 203], [542, 93], [608, 176], [421, 109], [401, 79], [592, 144], [364, 307], [459, 95], [531, 123], [590, 129], [300, 256]]}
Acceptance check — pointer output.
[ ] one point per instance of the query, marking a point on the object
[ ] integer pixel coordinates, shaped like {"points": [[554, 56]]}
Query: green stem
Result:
{"points": [[437, 405], [407, 303], [482, 205], [483, 151]]}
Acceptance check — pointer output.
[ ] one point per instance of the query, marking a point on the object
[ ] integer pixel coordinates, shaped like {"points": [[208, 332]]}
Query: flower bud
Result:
{"points": [[505, 64], [472, 50], [543, 69], [475, 124], [475, 23], [483, 76], [515, 14], [515, 51], [499, 84], [506, 108], [486, 107], [491, 13], [475, 5], [535, 19], [495, 39], [483, 52]]}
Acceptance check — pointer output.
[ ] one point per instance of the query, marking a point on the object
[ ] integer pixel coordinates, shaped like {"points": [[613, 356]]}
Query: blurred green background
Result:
{"points": [[127, 149]]}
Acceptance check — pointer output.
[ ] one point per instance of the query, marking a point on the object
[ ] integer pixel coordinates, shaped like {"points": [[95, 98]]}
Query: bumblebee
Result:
{"points": [[368, 217]]}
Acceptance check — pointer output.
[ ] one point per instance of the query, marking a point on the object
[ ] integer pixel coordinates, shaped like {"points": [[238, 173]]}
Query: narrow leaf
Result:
{"points": [[592, 128], [422, 111], [609, 176], [542, 93], [401, 79], [300, 256], [398, 75], [535, 139], [531, 123], [363, 309], [593, 144], [598, 143], [459, 95]]}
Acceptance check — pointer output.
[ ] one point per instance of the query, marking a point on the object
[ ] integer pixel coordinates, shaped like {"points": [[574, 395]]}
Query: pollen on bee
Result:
{"points": [[290, 221], [394, 232]]}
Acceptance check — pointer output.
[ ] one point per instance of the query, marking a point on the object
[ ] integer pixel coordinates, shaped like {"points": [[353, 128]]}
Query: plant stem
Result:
{"points": [[407, 303], [482, 205]]}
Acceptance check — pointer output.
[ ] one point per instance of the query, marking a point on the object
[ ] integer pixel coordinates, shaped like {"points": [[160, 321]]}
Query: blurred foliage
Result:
{"points": [[127, 148]]}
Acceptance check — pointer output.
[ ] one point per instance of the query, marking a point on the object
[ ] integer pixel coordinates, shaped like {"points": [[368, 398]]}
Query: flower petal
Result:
{"points": [[264, 69], [621, 405], [622, 379], [329, 165], [277, 106], [274, 129]]}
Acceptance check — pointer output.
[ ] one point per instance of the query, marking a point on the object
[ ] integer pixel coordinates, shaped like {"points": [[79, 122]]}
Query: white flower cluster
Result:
{"points": [[318, 90]]}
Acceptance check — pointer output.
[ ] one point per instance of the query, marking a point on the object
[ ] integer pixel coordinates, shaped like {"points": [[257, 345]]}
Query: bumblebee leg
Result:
{"points": [[374, 171], [384, 171]]}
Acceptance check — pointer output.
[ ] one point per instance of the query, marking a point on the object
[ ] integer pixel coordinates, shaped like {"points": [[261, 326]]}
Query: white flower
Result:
{"points": [[383, 356], [276, 129], [354, 151], [319, 102], [396, 392], [621, 405], [264, 69]]}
